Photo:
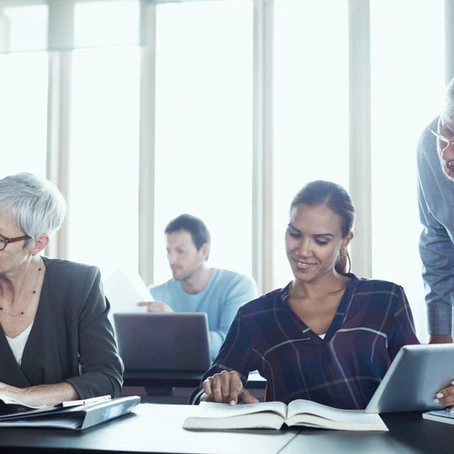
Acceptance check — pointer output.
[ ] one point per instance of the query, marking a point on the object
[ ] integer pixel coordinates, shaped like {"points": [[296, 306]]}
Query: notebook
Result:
{"points": [[76, 417], [177, 341], [415, 376]]}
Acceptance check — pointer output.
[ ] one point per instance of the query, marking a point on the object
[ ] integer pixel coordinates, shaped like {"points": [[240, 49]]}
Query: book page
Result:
{"points": [[219, 416], [218, 410], [261, 420], [124, 289], [6, 400], [367, 422], [308, 413], [334, 414]]}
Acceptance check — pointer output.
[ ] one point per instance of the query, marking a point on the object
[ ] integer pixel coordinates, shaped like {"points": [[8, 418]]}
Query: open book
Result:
{"points": [[273, 415], [72, 416]]}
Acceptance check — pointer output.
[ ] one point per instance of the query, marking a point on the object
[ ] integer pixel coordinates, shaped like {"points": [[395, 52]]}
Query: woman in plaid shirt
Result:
{"points": [[328, 336]]}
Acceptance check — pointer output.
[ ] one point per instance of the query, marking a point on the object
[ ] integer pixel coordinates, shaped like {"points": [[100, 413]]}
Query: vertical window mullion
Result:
{"points": [[449, 40], [262, 235], [61, 17], [4, 33], [360, 133], [147, 143], [58, 148]]}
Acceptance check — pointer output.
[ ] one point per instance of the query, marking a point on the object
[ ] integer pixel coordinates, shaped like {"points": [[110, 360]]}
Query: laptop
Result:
{"points": [[163, 342], [417, 373]]}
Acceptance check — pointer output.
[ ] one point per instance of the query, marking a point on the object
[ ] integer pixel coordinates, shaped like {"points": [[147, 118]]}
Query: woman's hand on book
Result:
{"points": [[227, 387]]}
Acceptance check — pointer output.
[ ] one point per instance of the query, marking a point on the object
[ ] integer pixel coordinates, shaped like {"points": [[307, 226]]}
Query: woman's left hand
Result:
{"points": [[41, 394], [446, 396], [13, 393]]}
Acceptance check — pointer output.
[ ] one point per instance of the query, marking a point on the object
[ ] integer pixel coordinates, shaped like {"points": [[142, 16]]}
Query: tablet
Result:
{"points": [[417, 373]]}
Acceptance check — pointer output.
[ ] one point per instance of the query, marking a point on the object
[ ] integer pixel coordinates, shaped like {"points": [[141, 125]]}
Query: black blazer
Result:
{"points": [[71, 339]]}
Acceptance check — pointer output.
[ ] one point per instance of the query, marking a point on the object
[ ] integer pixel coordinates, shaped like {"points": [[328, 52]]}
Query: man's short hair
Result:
{"points": [[195, 226]]}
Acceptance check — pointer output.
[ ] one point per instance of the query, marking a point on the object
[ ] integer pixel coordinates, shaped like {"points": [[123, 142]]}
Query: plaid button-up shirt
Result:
{"points": [[342, 370]]}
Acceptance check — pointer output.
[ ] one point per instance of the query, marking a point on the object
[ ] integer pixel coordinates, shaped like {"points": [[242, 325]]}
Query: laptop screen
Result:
{"points": [[176, 341]]}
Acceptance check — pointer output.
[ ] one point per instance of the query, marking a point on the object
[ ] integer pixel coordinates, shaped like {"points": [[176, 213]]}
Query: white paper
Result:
{"points": [[13, 401], [124, 289]]}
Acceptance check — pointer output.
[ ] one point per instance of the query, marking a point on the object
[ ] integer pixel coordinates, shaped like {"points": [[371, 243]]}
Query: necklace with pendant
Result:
{"points": [[22, 312]]}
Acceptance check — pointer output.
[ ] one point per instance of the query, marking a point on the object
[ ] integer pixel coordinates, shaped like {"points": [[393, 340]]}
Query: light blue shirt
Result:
{"points": [[220, 299], [436, 246]]}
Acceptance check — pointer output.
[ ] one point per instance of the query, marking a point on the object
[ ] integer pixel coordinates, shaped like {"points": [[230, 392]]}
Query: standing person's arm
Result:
{"points": [[240, 291], [437, 255]]}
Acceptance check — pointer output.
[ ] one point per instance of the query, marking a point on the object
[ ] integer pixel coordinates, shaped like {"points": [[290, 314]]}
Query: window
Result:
{"points": [[23, 28], [103, 193], [203, 119], [406, 96], [23, 89], [203, 126], [119, 18], [310, 106], [23, 112]]}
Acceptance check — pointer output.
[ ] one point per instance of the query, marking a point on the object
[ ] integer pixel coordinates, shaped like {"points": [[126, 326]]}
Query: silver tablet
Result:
{"points": [[417, 373]]}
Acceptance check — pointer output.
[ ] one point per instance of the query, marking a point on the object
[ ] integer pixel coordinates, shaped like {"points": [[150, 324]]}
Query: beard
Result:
{"points": [[187, 274], [443, 163]]}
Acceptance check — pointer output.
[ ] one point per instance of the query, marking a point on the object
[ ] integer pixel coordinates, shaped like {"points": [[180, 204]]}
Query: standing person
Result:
{"points": [[56, 342], [328, 336], [195, 286], [435, 159]]}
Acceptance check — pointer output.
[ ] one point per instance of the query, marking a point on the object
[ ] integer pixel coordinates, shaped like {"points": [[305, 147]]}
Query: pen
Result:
{"points": [[92, 400]]}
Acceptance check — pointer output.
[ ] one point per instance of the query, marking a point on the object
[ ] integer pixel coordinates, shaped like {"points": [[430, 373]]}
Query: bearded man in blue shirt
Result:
{"points": [[436, 202], [197, 287]]}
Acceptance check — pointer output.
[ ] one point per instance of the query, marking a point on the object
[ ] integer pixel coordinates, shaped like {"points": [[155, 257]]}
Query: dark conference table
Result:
{"points": [[157, 428]]}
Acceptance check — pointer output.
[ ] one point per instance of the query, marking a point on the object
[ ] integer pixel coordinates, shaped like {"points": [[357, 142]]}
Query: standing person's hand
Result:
{"points": [[440, 339], [226, 387], [155, 306]]}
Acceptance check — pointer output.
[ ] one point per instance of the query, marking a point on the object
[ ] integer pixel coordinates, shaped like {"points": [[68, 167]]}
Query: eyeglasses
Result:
{"points": [[443, 139], [4, 240]]}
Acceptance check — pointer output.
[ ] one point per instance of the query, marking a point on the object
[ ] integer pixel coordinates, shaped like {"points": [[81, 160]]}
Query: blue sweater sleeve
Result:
{"points": [[240, 290]]}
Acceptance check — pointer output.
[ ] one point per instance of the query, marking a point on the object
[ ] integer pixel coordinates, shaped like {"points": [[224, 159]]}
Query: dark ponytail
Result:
{"points": [[343, 263]]}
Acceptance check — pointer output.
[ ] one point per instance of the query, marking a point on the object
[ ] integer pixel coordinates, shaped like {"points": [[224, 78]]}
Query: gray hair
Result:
{"points": [[36, 204], [448, 110]]}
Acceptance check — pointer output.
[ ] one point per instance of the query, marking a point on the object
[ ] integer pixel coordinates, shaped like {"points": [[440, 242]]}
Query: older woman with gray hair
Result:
{"points": [[56, 342]]}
